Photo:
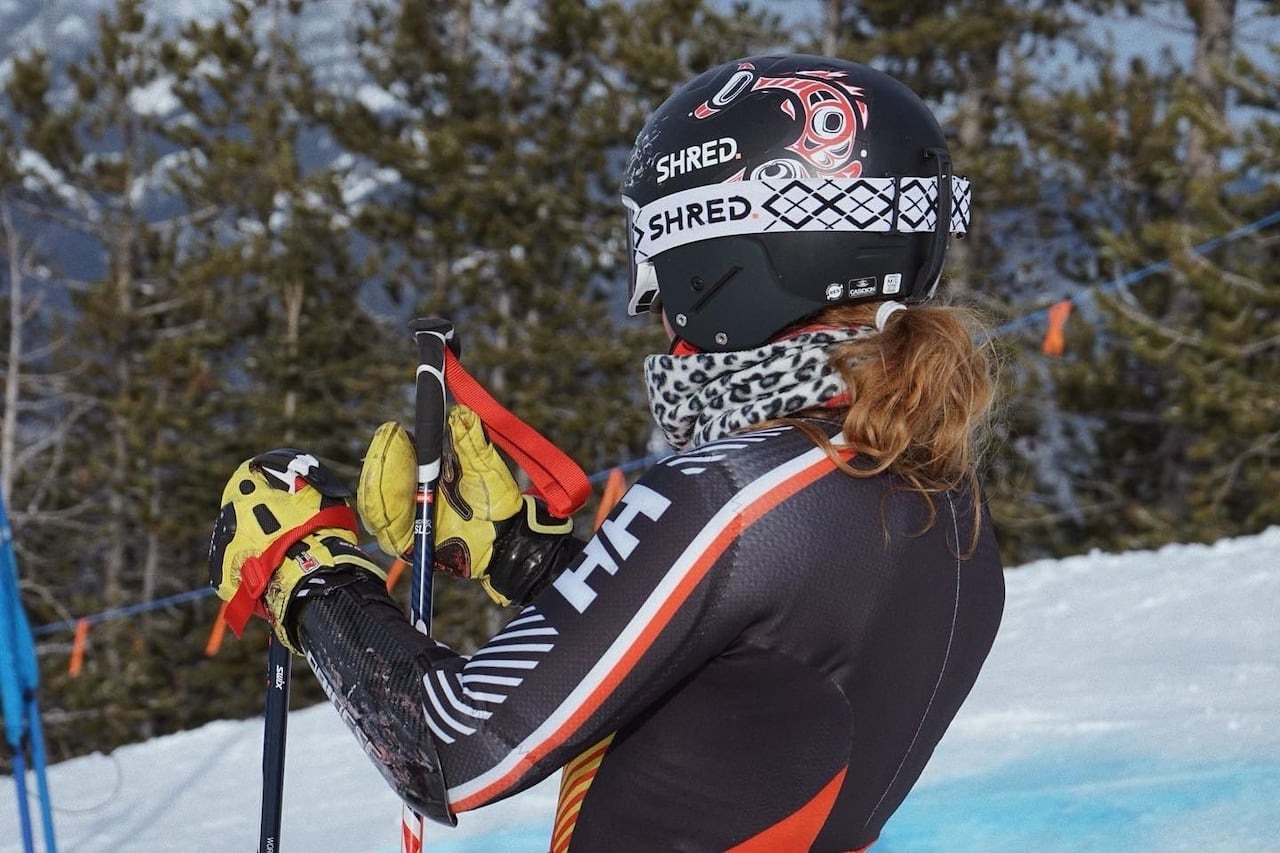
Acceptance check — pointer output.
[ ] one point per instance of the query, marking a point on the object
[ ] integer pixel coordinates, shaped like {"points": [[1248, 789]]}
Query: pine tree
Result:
{"points": [[1171, 388], [293, 357], [33, 422], [1225, 417], [94, 177], [1103, 147], [308, 362], [1247, 487]]}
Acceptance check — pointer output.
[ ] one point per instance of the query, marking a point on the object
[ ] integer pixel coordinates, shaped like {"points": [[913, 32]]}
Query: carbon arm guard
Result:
{"points": [[370, 661]]}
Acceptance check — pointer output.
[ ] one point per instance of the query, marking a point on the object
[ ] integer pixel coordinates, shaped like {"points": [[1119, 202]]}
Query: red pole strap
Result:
{"points": [[557, 479]]}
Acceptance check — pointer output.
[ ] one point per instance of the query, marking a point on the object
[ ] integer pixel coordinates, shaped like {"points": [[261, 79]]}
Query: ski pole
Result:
{"points": [[433, 336], [279, 665]]}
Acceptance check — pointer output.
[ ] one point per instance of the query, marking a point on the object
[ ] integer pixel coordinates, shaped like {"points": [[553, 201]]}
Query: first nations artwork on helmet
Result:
{"points": [[834, 113]]}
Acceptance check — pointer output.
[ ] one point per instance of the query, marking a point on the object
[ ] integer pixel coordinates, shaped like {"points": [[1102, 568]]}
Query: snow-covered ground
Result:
{"points": [[1132, 703]]}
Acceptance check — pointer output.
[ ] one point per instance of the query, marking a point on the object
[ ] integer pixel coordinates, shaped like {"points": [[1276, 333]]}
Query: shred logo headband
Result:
{"points": [[901, 204]]}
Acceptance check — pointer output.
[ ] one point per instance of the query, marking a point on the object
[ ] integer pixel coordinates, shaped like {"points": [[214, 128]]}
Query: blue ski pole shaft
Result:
{"points": [[275, 727]]}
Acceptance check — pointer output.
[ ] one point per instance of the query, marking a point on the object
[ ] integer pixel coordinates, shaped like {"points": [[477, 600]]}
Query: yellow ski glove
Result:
{"points": [[479, 510], [388, 483], [284, 517]]}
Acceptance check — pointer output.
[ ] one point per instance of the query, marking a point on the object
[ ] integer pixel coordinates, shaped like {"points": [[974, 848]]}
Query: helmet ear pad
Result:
{"points": [[698, 278], [821, 270]]}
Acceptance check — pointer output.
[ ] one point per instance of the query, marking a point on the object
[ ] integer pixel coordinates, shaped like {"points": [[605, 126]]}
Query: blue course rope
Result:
{"points": [[131, 610], [636, 464], [1139, 274]]}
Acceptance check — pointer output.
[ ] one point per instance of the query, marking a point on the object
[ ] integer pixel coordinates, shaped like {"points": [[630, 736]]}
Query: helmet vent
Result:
{"points": [[697, 283]]}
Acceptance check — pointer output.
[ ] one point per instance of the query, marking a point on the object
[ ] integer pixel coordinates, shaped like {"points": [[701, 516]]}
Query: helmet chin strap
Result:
{"points": [[679, 346], [927, 278]]}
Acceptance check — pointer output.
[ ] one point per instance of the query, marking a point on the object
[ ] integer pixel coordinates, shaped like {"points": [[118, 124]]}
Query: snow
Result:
{"points": [[156, 98], [376, 99], [1131, 703], [39, 175]]}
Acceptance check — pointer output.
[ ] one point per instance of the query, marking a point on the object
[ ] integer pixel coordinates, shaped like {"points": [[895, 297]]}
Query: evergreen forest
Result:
{"points": [[214, 230]]}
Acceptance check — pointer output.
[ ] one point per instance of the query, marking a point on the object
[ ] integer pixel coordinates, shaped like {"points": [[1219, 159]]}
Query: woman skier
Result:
{"points": [[764, 642]]}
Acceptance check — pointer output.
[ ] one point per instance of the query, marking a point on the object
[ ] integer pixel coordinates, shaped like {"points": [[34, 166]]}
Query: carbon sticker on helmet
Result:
{"points": [[862, 287]]}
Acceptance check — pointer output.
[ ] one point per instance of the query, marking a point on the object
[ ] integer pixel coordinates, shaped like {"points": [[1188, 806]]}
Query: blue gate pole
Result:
{"points": [[35, 735], [19, 682], [24, 810]]}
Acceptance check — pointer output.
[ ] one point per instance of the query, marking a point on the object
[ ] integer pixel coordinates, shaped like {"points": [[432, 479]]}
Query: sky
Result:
{"points": [[1131, 703]]}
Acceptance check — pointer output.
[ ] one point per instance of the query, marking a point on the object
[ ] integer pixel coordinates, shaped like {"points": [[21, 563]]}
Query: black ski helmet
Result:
{"points": [[771, 187]]}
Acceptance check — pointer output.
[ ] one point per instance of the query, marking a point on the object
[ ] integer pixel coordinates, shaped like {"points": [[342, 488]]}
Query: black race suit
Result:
{"points": [[778, 647]]}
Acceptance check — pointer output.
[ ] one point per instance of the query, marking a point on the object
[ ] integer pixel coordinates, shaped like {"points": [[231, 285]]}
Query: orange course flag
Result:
{"points": [[77, 647], [1054, 340], [215, 633], [613, 489], [394, 573]]}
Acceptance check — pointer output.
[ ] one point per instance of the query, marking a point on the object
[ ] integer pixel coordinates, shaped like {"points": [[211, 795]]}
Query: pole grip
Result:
{"points": [[433, 336]]}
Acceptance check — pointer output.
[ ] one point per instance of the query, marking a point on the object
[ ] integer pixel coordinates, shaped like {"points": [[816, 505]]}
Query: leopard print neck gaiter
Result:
{"points": [[701, 397]]}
